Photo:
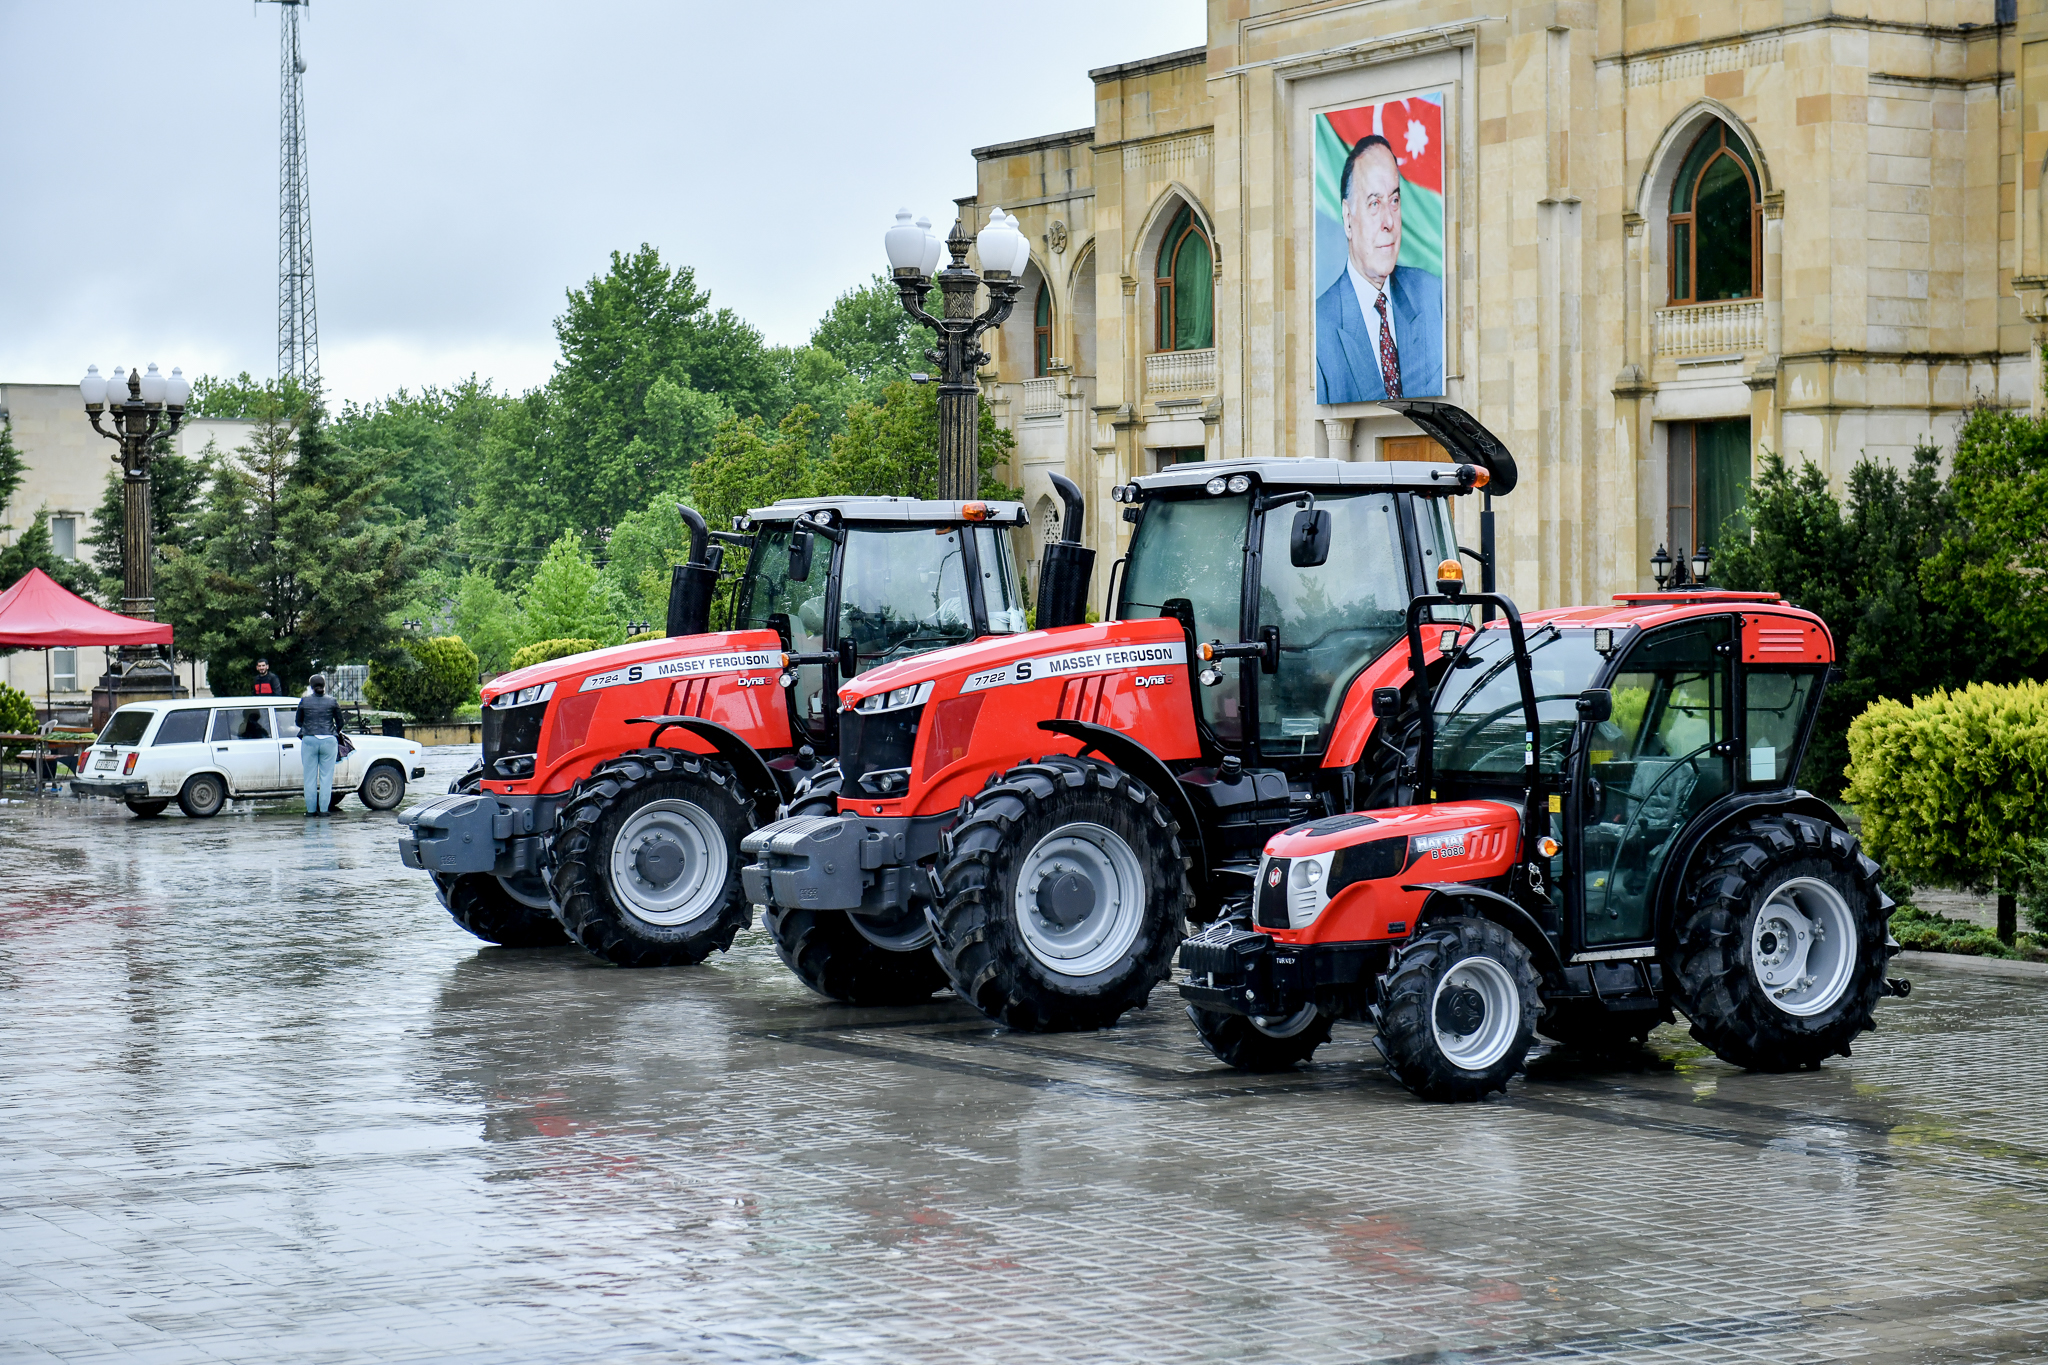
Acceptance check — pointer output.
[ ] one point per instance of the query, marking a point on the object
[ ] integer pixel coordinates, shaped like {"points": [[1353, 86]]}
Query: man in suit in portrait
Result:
{"points": [[1379, 328]]}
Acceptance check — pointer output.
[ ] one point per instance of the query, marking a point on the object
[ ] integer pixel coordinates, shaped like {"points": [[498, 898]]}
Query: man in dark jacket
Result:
{"points": [[267, 684], [319, 719]]}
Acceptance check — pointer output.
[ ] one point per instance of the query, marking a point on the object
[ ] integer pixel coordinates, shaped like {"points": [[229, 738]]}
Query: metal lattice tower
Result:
{"points": [[298, 329]]}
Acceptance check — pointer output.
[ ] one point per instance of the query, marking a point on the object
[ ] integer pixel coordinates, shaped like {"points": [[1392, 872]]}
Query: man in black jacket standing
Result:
{"points": [[267, 684], [319, 720]]}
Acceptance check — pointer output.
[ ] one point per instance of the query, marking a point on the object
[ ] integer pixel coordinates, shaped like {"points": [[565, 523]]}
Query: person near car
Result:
{"points": [[267, 684], [319, 721]]}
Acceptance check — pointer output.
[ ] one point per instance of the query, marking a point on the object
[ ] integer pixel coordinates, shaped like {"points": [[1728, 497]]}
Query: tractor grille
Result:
{"points": [[512, 732], [1272, 905], [875, 749]]}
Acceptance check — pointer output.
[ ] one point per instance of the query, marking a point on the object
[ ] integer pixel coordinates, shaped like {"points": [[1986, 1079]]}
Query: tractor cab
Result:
{"points": [[850, 584]]}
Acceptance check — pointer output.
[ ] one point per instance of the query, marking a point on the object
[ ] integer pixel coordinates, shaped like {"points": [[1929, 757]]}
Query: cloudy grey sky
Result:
{"points": [[471, 161]]}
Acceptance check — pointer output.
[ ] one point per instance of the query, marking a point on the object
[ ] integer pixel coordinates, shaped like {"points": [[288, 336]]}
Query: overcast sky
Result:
{"points": [[472, 161]]}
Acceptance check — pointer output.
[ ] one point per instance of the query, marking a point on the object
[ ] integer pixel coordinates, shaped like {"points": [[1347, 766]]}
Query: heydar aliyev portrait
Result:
{"points": [[1379, 323]]}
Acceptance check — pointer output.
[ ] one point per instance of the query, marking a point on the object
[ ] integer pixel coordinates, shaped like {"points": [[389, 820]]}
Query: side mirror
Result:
{"points": [[1595, 704], [1309, 543], [799, 556], [1386, 702]]}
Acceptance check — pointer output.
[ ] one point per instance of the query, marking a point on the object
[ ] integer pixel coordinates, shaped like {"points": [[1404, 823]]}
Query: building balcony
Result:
{"points": [[1711, 328], [1180, 374], [1043, 398]]}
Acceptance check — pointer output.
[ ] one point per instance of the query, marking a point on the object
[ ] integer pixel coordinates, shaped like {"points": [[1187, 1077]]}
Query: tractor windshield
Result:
{"points": [[1479, 722], [1192, 550], [1333, 618]]}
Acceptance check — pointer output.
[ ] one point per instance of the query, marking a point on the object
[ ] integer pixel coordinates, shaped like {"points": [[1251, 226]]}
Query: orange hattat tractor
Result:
{"points": [[616, 785], [1035, 819], [1597, 822]]}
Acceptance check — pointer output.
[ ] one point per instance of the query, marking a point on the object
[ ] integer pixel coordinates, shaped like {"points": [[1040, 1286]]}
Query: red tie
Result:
{"points": [[1390, 359]]}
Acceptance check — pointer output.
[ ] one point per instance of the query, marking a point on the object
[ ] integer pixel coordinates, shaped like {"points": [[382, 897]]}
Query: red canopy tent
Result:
{"points": [[39, 613]]}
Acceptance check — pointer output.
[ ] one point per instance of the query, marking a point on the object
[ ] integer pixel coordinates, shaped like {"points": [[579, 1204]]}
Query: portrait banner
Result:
{"points": [[1379, 250]]}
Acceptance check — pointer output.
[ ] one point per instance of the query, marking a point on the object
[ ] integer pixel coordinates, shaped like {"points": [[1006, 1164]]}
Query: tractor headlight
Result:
{"points": [[1239, 483], [1306, 896], [895, 699], [525, 696], [1215, 485]]}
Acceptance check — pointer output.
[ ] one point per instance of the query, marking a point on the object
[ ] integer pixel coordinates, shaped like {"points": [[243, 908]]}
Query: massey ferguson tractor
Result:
{"points": [[1596, 820], [616, 785], [1035, 819]]}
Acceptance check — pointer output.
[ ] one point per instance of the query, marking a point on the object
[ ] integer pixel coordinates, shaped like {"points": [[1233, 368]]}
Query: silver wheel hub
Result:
{"points": [[1803, 946], [669, 863], [1284, 1025], [1476, 1012], [1080, 899]]}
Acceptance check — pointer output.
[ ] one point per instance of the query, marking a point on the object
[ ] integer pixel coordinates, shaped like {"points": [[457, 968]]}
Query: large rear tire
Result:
{"points": [[1781, 944], [647, 859], [827, 951], [1262, 1045], [1457, 1010], [1066, 896]]}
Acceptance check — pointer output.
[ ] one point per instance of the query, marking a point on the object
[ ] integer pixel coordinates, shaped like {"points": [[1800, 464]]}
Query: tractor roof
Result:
{"points": [[914, 510], [1657, 608], [1308, 473]]}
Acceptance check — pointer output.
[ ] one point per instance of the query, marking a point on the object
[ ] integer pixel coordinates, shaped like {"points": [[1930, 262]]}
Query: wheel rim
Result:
{"points": [[382, 787], [903, 932], [1803, 946], [1284, 1025], [1080, 899], [206, 795], [669, 863], [530, 891], [1476, 1012]]}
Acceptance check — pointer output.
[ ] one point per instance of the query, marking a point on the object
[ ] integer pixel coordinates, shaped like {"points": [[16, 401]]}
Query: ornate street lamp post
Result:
{"points": [[913, 256], [137, 404]]}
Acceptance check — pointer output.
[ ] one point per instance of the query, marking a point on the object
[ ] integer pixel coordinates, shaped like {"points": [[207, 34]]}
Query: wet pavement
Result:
{"points": [[260, 1100]]}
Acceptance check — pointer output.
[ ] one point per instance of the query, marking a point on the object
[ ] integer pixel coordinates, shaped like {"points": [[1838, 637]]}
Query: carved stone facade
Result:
{"points": [[1900, 271]]}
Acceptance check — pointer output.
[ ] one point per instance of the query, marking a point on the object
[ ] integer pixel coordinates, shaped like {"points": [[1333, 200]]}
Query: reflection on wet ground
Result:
{"points": [[262, 1101]]}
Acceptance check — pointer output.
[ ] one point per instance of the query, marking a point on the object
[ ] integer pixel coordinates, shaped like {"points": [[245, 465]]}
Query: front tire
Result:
{"points": [[1262, 1046], [203, 795], [1066, 896], [146, 810], [647, 859], [486, 907], [826, 949], [383, 787], [1457, 1010], [1781, 946]]}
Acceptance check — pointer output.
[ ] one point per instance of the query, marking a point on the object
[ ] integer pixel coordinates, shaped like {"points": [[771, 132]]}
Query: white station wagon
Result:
{"points": [[199, 753]]}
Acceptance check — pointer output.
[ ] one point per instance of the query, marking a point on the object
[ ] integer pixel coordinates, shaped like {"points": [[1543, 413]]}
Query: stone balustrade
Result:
{"points": [[1711, 328], [1181, 374]]}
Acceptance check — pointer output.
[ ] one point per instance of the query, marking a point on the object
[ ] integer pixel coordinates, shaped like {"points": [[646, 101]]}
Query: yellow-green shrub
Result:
{"points": [[541, 651], [1952, 788]]}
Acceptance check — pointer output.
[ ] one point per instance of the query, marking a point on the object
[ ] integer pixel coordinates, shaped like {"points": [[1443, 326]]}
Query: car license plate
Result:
{"points": [[103, 763]]}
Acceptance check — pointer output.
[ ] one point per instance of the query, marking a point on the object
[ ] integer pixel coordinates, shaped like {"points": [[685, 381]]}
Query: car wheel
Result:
{"points": [[383, 787], [146, 809], [203, 795]]}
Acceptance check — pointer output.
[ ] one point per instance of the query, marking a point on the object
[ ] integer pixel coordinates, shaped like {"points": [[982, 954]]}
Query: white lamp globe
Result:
{"points": [[117, 386], [177, 392], [993, 243], [933, 246], [904, 243], [152, 386], [93, 388], [1023, 256]]}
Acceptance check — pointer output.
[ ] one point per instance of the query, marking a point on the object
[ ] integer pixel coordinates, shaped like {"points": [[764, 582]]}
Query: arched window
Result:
{"points": [[1716, 222], [1041, 333], [1186, 287]]}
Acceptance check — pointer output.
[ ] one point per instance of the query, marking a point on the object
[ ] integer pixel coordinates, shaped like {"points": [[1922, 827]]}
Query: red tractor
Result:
{"points": [[1034, 820], [616, 785], [1597, 820]]}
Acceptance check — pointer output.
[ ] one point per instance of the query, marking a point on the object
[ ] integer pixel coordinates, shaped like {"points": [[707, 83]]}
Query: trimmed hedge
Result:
{"points": [[1952, 788], [427, 682], [646, 635], [541, 651], [17, 716]]}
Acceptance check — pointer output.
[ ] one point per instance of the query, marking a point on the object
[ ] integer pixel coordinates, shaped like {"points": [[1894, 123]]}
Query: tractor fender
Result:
{"points": [[1477, 900], [744, 757], [1141, 763], [1678, 868]]}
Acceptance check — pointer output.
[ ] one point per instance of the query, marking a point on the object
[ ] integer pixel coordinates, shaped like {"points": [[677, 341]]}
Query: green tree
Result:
{"points": [[1993, 557], [545, 651], [568, 597], [869, 334], [751, 464], [488, 619], [892, 447], [177, 487], [296, 556], [426, 680], [641, 554], [437, 435], [243, 398]]}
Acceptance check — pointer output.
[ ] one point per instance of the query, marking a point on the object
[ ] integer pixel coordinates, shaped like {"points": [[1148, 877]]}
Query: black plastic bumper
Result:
{"points": [[841, 862], [464, 832], [128, 790]]}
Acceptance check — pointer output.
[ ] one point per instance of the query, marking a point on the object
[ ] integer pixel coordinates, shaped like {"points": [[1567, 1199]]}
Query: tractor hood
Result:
{"points": [[1000, 660], [686, 656]]}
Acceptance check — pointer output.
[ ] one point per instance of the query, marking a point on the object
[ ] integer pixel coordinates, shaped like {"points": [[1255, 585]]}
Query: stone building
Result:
{"points": [[1670, 235]]}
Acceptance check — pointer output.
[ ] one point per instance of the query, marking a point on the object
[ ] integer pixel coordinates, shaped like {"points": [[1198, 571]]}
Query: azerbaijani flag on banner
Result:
{"points": [[1415, 127]]}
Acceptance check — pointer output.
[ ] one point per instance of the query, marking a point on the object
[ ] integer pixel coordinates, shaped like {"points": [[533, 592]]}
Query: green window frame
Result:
{"points": [[1184, 282], [1041, 333], [1717, 222]]}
